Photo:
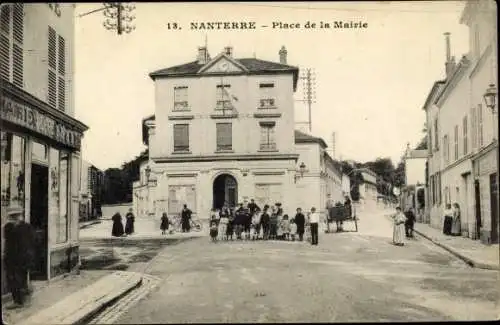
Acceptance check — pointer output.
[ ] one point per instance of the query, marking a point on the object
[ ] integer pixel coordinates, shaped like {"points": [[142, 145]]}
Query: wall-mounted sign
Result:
{"points": [[30, 118]]}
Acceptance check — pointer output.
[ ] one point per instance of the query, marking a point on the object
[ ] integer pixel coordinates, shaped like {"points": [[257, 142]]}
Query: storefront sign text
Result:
{"points": [[32, 119]]}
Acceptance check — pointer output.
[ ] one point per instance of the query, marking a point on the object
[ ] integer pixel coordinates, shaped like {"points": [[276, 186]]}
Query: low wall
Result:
{"points": [[110, 209]]}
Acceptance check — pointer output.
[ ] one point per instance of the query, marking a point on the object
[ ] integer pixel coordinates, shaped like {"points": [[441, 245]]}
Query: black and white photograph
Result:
{"points": [[249, 162]]}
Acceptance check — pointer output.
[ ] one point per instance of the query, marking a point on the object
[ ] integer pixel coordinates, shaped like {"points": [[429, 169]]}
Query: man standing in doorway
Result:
{"points": [[19, 254], [314, 222]]}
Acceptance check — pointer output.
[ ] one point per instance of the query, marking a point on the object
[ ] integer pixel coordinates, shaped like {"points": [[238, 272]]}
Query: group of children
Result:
{"points": [[252, 223]]}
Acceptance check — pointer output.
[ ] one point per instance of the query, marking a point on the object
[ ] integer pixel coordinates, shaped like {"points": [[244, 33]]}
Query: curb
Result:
{"points": [[89, 224], [89, 316], [454, 252]]}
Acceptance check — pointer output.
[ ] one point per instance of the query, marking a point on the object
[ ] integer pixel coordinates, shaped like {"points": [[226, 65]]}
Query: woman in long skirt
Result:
{"points": [[164, 223], [129, 225], [448, 220], [398, 234], [456, 227], [117, 230]]}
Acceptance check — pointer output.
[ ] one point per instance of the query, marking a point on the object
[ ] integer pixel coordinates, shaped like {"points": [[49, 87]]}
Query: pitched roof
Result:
{"points": [[145, 139], [436, 88], [301, 137], [254, 66]]}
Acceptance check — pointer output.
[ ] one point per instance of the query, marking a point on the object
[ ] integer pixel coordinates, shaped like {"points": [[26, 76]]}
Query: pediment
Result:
{"points": [[222, 64]]}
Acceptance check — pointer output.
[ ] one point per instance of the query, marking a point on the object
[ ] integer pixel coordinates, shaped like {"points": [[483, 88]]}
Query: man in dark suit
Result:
{"points": [[19, 254]]}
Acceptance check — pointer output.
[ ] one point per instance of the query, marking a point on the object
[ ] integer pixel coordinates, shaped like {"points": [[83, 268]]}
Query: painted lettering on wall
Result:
{"points": [[56, 8], [34, 120]]}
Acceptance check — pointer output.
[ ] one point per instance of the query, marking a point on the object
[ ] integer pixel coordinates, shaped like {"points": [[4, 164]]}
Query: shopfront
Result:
{"points": [[40, 162]]}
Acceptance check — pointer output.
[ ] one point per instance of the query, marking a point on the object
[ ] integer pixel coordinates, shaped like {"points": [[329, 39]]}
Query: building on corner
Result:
{"points": [[40, 138]]}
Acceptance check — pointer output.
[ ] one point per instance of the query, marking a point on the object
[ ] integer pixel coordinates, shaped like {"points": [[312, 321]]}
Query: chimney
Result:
{"points": [[282, 54], [202, 55], [228, 50], [450, 60]]}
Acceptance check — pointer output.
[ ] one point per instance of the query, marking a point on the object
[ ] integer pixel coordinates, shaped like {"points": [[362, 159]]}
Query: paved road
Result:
{"points": [[349, 277]]}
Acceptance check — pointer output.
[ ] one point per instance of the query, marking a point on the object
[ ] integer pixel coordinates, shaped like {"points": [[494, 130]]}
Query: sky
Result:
{"points": [[370, 83]]}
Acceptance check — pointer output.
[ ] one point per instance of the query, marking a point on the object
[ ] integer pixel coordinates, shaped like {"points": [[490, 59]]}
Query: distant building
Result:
{"points": [[91, 186], [414, 193], [368, 188]]}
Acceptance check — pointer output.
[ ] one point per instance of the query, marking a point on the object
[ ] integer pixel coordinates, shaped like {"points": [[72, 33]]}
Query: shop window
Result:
{"points": [[13, 163], [39, 152], [62, 220]]}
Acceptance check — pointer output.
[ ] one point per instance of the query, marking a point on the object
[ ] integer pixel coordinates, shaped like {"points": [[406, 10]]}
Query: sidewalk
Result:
{"points": [[471, 251], [72, 299]]}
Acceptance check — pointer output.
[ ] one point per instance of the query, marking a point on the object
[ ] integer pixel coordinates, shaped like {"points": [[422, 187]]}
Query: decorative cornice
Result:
{"points": [[211, 158], [266, 115], [265, 173], [180, 117], [220, 116], [183, 175]]}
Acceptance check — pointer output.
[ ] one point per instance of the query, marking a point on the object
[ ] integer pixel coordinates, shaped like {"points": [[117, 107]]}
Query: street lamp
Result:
{"points": [[490, 97], [302, 169]]}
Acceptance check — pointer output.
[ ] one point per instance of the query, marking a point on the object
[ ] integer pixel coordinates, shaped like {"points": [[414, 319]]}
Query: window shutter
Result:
{"points": [[5, 19], [473, 128], [61, 56], [18, 25], [52, 48], [181, 137], [4, 57], [52, 97], [224, 136], [263, 134], [466, 135], [17, 55], [61, 94]]}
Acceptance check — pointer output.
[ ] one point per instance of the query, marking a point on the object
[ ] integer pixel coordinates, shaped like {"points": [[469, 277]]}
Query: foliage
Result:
{"points": [[118, 182]]}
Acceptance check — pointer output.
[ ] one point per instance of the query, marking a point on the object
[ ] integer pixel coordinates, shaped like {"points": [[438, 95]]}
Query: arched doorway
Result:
{"points": [[225, 189]]}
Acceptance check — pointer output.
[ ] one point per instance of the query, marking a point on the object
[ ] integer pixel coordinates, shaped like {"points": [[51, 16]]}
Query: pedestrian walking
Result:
{"points": [[456, 227], [117, 230], [448, 220], [398, 233], [314, 222], [186, 218], [265, 220], [339, 216], [164, 223], [300, 221], [129, 224], [19, 255], [409, 223], [329, 219]]}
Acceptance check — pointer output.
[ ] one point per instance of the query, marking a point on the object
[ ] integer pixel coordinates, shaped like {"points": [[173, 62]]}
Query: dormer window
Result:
{"points": [[267, 95], [181, 98]]}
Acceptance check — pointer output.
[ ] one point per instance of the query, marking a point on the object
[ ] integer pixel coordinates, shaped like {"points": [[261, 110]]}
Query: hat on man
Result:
{"points": [[278, 204], [13, 211]]}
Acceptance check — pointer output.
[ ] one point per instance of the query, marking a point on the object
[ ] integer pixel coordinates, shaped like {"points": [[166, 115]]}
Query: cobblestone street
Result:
{"points": [[349, 277]]}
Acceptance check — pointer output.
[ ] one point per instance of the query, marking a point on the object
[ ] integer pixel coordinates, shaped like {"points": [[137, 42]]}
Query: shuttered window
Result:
{"points": [[465, 135], [480, 124], [56, 95], [52, 88], [11, 44], [181, 137], [224, 136], [267, 137], [181, 98], [456, 142], [474, 128], [61, 64], [267, 95], [4, 57]]}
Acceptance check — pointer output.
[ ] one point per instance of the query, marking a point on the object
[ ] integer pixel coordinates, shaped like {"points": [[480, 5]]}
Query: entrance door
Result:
{"points": [[225, 190], [477, 196], [39, 215], [494, 208]]}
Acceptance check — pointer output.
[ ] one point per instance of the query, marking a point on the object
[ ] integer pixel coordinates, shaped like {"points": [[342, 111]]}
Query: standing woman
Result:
{"points": [[129, 225], [117, 230], [456, 223], [448, 220], [398, 233], [300, 220], [273, 223], [265, 220], [164, 223]]}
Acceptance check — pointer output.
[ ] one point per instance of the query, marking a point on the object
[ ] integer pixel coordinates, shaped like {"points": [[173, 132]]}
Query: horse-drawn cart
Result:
{"points": [[340, 214]]}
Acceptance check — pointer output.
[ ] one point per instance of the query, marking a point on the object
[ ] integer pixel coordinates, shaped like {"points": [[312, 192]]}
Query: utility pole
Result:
{"points": [[309, 93]]}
